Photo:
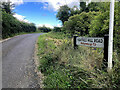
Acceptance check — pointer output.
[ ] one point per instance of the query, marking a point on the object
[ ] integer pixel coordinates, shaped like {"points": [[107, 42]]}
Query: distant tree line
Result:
{"points": [[11, 25], [56, 29], [48, 29], [44, 29], [90, 20]]}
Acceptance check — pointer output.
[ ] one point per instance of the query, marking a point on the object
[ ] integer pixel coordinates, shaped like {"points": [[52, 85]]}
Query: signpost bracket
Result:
{"points": [[74, 42]]}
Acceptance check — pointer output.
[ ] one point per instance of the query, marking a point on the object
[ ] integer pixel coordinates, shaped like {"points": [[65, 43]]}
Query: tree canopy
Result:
{"points": [[79, 23], [63, 13], [7, 7]]}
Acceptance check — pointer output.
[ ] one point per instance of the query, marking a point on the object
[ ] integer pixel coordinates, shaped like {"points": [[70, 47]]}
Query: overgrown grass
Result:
{"points": [[65, 67]]}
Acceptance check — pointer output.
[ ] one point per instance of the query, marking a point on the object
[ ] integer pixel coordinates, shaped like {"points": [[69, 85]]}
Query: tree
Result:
{"points": [[79, 23], [7, 6], [100, 25], [63, 13], [82, 6], [74, 10], [98, 6]]}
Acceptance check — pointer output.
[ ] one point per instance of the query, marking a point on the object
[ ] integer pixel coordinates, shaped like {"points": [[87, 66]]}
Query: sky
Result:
{"points": [[40, 12]]}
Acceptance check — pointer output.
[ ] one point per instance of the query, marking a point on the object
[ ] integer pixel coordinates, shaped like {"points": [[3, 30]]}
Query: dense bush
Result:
{"points": [[79, 23], [12, 26], [117, 27], [100, 25]]}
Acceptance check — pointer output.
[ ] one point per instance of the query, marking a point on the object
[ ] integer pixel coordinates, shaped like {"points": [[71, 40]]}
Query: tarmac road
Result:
{"points": [[18, 68]]}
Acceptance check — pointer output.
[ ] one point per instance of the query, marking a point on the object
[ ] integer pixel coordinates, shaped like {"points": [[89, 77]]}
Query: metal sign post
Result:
{"points": [[74, 42], [111, 25], [105, 60]]}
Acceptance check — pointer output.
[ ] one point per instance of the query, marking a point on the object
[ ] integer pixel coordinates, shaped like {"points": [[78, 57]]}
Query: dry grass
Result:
{"points": [[57, 42]]}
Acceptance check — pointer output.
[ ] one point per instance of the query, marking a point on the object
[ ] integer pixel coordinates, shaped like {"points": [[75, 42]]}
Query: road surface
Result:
{"points": [[18, 68]]}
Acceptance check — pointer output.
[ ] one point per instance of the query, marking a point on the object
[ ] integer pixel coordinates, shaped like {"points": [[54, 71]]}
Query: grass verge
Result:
{"points": [[65, 67]]}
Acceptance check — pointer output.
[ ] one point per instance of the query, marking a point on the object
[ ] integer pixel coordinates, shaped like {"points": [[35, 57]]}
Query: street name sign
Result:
{"points": [[90, 41]]}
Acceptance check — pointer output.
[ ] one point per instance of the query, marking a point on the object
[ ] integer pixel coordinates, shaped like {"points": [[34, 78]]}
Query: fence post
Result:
{"points": [[105, 61], [74, 42]]}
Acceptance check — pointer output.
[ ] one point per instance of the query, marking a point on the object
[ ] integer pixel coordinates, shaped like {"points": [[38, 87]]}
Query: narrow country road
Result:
{"points": [[18, 63]]}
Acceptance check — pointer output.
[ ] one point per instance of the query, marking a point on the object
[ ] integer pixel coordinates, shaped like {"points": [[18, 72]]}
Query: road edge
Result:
{"points": [[1, 41], [4, 40], [37, 63]]}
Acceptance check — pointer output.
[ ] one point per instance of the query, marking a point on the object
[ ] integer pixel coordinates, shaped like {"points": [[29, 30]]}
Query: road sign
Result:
{"points": [[90, 41]]}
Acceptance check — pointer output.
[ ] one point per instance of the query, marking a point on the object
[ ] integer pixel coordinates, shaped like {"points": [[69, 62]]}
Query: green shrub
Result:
{"points": [[79, 23]]}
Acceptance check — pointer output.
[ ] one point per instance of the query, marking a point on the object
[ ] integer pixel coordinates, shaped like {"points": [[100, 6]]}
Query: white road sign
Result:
{"points": [[90, 41]]}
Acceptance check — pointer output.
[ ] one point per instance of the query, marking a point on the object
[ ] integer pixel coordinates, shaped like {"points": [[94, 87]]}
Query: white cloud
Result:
{"points": [[47, 25], [21, 18], [16, 2], [44, 7], [55, 4], [52, 4]]}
